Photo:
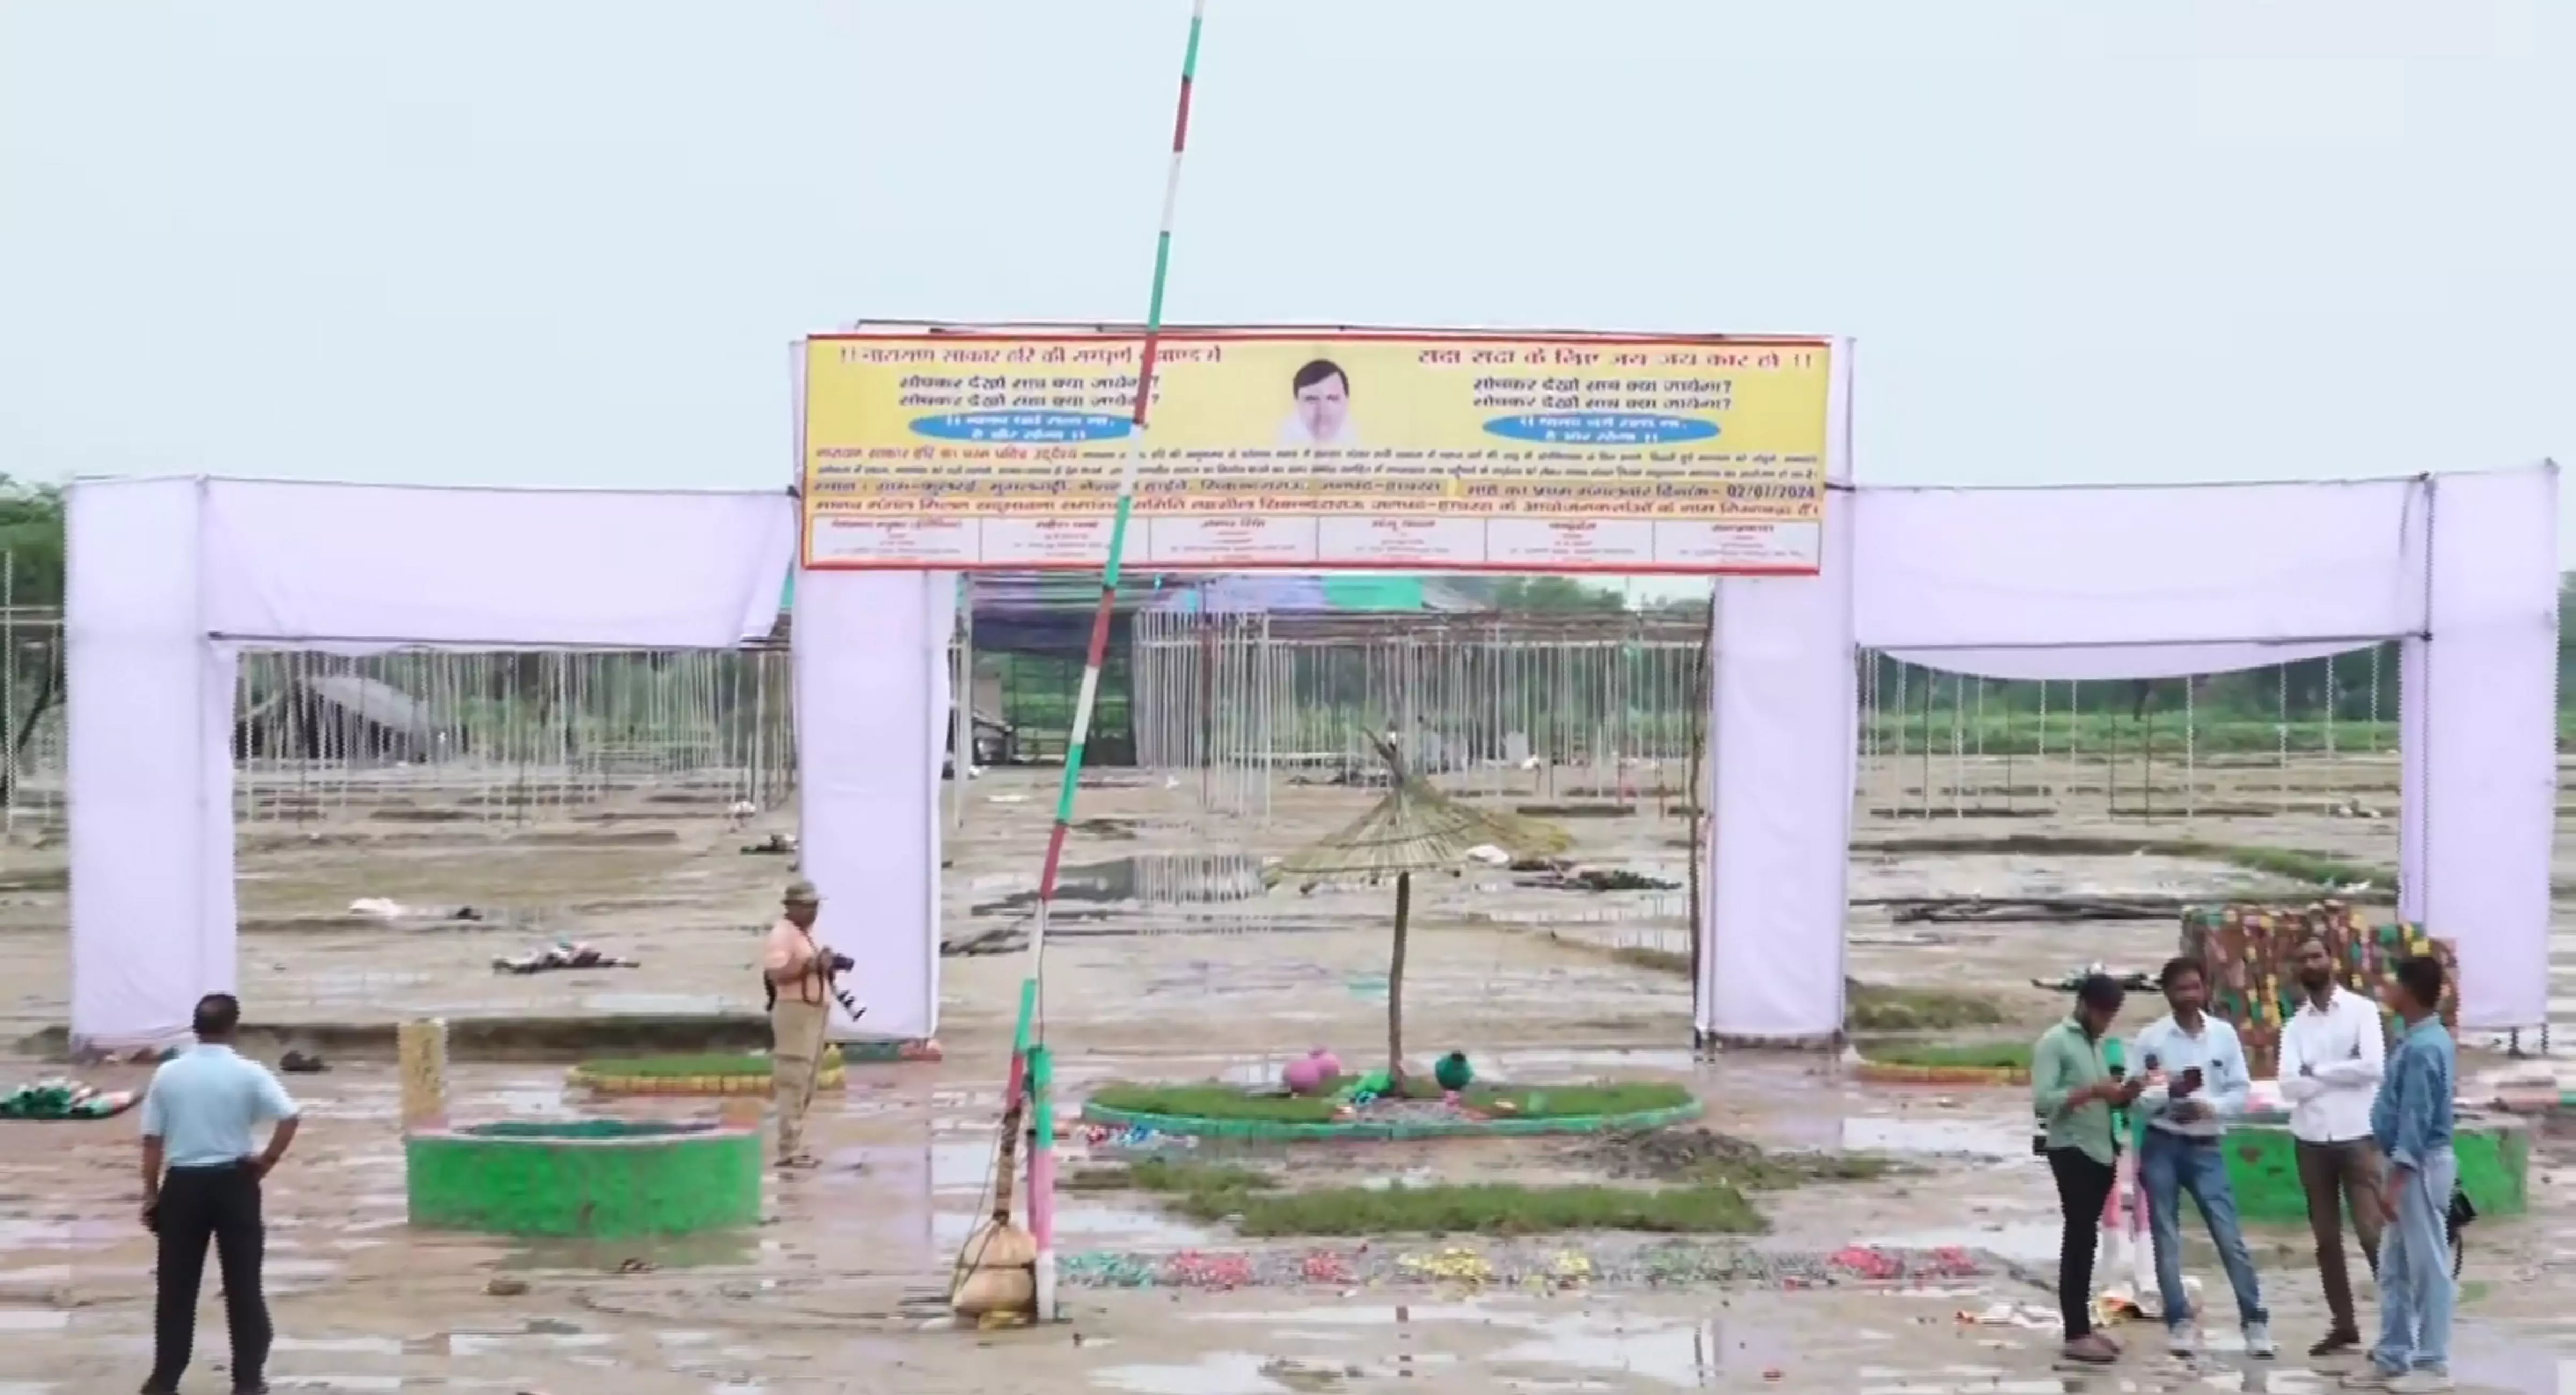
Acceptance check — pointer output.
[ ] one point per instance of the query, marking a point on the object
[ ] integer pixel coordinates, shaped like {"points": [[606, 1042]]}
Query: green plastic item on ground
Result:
{"points": [[1453, 1072], [58, 1099]]}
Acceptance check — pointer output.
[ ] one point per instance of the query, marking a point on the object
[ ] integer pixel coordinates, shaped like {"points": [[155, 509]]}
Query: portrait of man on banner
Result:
{"points": [[1322, 415]]}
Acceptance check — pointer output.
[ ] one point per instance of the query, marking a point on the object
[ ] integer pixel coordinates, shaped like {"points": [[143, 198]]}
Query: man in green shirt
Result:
{"points": [[2075, 1095]]}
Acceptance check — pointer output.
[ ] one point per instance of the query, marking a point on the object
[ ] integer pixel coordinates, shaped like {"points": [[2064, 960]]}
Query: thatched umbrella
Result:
{"points": [[1415, 828]]}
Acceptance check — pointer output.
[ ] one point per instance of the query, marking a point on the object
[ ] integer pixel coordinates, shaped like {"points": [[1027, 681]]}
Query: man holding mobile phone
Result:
{"points": [[2196, 1077], [2073, 1093]]}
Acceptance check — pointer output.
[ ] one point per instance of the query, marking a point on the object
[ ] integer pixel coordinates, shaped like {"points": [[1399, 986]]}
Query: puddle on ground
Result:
{"points": [[1709, 1354], [1611, 908], [2023, 1242], [658, 1004], [1099, 1227], [711, 1249], [1978, 1138], [1148, 879], [1225, 1373], [60, 1235]]}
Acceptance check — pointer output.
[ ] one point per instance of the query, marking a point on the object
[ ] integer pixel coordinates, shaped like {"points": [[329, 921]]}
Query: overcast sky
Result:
{"points": [[568, 242]]}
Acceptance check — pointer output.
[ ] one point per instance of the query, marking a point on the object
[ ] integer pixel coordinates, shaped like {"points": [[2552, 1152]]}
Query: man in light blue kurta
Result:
{"points": [[2196, 1078]]}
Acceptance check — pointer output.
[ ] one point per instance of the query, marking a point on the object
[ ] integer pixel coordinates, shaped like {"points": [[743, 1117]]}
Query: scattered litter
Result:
{"points": [[2072, 979], [559, 956], [378, 908], [775, 845], [1523, 1265], [64, 1099], [2030, 1316], [503, 1286], [302, 1063], [1138, 1139], [1489, 855]]}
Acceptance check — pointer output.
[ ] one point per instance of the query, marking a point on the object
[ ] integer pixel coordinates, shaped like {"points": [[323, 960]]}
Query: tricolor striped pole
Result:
{"points": [[1030, 1068]]}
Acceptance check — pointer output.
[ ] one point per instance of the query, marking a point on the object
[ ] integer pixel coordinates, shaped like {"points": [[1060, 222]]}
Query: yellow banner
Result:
{"points": [[1315, 450]]}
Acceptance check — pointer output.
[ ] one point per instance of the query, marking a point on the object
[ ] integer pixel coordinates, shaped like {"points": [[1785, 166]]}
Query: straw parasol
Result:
{"points": [[1415, 828]]}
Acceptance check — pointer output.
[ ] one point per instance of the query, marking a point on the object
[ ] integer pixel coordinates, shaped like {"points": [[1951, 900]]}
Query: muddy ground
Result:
{"points": [[1164, 969]]}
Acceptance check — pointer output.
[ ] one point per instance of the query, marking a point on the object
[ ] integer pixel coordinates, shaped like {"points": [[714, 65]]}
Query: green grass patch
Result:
{"points": [[1707, 1177], [716, 1063], [1662, 961], [1879, 1007], [1167, 1176], [1977, 1055], [2291, 864], [1217, 1100], [2294, 864]]}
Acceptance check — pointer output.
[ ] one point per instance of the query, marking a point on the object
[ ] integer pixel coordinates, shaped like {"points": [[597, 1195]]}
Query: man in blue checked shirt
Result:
{"points": [[2411, 1121], [2196, 1078]]}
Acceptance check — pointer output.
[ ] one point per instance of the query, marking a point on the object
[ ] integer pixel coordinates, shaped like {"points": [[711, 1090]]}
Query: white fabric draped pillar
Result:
{"points": [[149, 706], [1783, 754], [2478, 731], [871, 722], [2134, 582], [168, 577]]}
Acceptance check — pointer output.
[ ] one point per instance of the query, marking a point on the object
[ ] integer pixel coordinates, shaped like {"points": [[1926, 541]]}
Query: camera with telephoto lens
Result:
{"points": [[840, 964]]}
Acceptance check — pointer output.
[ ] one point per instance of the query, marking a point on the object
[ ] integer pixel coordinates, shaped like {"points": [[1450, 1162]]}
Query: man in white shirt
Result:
{"points": [[2196, 1077], [2332, 1054]]}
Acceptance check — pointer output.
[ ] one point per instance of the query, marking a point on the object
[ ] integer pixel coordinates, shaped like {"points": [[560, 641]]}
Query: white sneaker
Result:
{"points": [[2258, 1341], [2180, 1343], [2414, 1381], [2370, 1377]]}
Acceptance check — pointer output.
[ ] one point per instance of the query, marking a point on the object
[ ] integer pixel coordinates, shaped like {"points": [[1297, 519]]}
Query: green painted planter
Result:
{"points": [[597, 1178], [2263, 1168], [1361, 1129]]}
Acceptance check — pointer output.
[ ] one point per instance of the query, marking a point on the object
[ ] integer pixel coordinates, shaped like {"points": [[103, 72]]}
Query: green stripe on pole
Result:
{"points": [[1154, 310], [1028, 1014]]}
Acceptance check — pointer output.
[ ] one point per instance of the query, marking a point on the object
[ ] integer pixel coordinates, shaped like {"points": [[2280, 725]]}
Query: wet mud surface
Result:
{"points": [[1167, 968]]}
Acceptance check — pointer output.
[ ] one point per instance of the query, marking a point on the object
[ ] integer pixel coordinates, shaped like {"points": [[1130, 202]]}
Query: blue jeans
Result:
{"points": [[2415, 1288], [2169, 1166]]}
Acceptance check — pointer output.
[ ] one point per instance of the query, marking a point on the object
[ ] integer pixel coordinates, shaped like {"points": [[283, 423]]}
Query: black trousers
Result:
{"points": [[2083, 1189], [199, 1204]]}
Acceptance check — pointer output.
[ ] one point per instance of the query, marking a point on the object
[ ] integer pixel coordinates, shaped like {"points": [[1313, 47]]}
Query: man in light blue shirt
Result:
{"points": [[2411, 1120], [2195, 1069], [201, 1182]]}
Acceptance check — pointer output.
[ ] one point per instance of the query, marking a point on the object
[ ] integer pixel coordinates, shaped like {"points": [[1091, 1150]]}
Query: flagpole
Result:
{"points": [[1031, 1072]]}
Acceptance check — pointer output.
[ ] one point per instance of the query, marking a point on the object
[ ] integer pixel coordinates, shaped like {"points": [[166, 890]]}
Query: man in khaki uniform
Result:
{"points": [[798, 968]]}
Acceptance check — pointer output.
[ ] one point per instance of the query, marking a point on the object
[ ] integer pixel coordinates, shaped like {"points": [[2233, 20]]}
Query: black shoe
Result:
{"points": [[2336, 1344], [160, 1390]]}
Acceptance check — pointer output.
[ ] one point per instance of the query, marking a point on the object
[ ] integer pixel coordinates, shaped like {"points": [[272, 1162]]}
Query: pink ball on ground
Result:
{"points": [[1332, 1064], [1305, 1077]]}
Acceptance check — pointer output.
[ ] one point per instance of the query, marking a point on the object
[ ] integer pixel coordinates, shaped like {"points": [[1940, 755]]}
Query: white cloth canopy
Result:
{"points": [[2138, 582], [169, 578]]}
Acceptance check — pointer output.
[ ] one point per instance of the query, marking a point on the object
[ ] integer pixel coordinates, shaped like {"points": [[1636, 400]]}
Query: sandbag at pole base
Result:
{"points": [[1000, 1282]]}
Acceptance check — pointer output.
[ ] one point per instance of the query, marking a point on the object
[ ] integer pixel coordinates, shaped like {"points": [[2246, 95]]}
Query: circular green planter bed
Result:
{"points": [[1901, 1062], [1216, 1110], [745, 1073], [601, 1178]]}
